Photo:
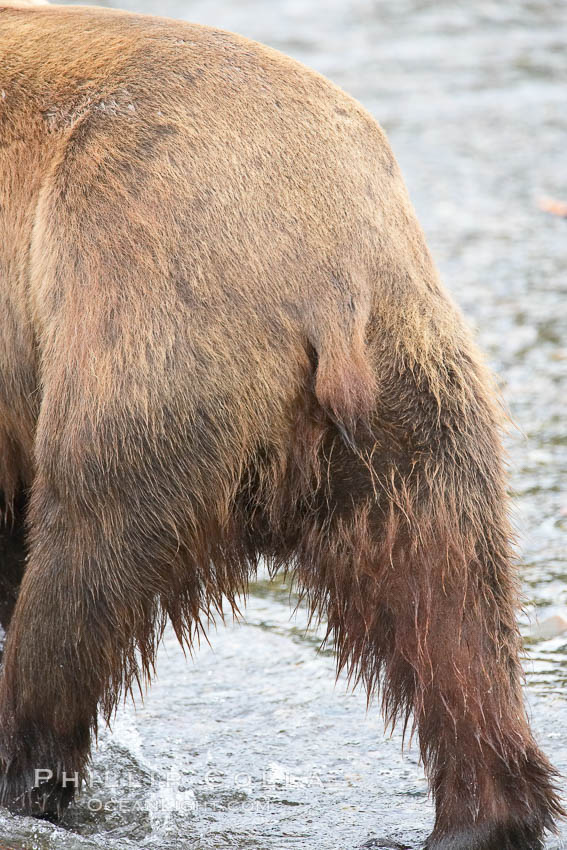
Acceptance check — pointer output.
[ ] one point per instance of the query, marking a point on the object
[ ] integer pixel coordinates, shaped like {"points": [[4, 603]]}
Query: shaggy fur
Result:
{"points": [[223, 339]]}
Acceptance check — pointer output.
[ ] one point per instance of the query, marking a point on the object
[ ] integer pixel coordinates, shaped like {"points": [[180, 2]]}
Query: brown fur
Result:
{"points": [[223, 339]]}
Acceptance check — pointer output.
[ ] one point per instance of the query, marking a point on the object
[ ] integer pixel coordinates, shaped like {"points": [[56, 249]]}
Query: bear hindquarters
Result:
{"points": [[409, 560]]}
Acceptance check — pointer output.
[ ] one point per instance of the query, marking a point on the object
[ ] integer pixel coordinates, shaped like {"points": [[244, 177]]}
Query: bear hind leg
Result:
{"points": [[420, 600]]}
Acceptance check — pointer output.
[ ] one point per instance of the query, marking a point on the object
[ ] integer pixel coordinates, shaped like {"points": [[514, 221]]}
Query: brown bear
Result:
{"points": [[223, 340]]}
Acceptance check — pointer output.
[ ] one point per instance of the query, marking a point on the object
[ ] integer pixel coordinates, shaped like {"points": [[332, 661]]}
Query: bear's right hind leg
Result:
{"points": [[407, 558]]}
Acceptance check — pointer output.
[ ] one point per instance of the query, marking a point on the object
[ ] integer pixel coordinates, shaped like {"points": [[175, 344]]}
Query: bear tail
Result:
{"points": [[345, 385]]}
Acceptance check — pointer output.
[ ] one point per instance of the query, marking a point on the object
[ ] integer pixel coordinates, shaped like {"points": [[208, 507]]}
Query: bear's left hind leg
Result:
{"points": [[84, 630]]}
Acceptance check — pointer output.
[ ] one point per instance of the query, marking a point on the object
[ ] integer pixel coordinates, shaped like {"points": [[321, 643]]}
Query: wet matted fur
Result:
{"points": [[224, 340]]}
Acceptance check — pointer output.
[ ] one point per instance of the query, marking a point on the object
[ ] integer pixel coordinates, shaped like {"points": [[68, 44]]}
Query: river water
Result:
{"points": [[251, 744]]}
